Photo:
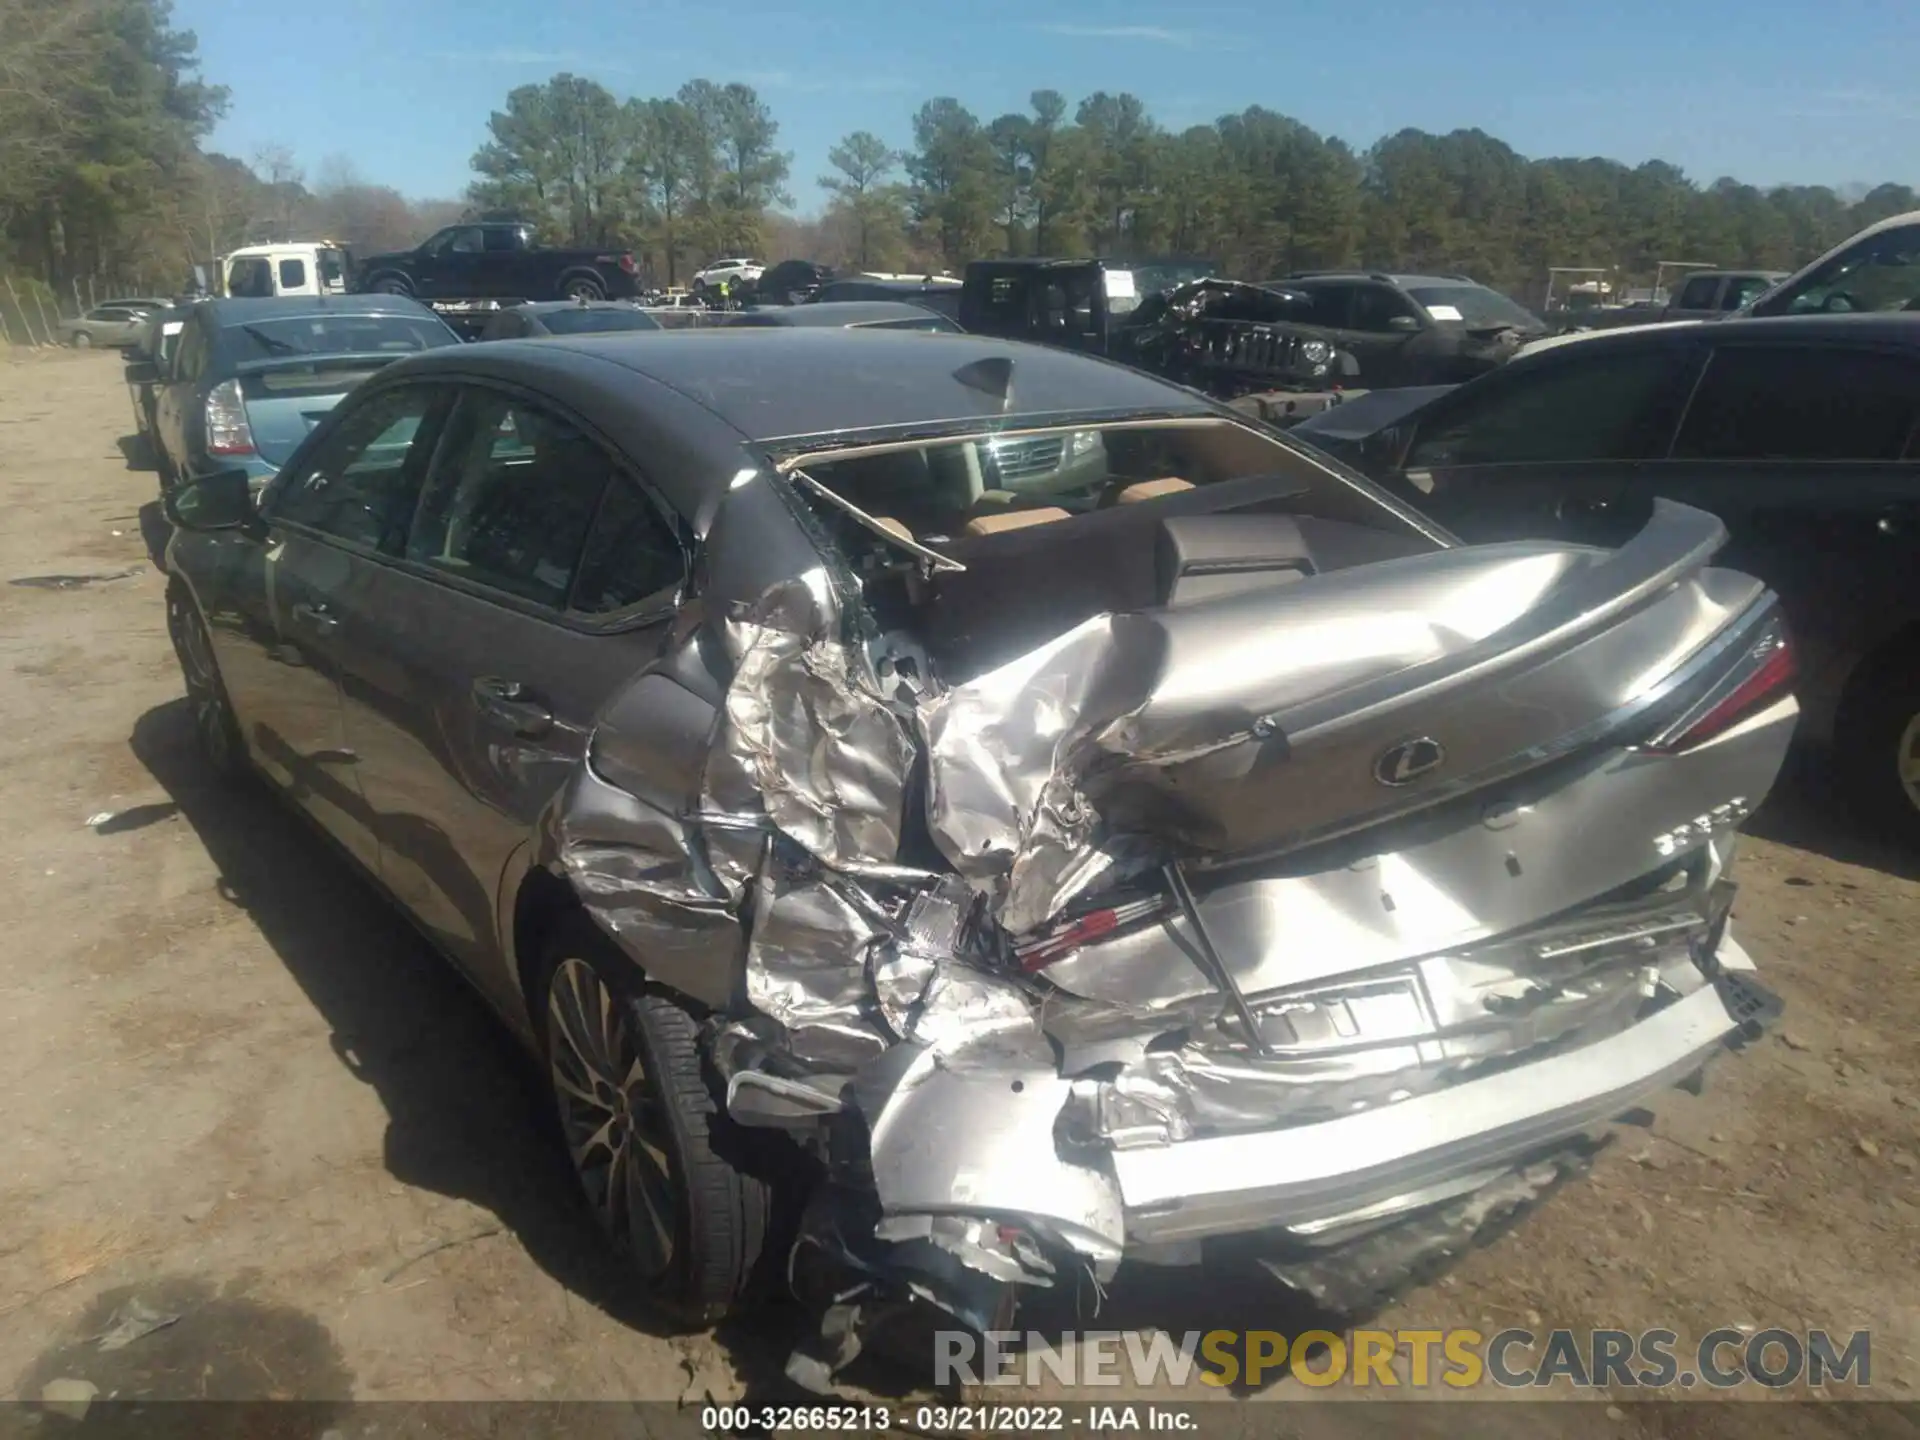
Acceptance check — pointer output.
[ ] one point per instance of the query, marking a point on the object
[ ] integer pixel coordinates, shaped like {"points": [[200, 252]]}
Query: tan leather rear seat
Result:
{"points": [[1151, 490], [893, 526], [1013, 520]]}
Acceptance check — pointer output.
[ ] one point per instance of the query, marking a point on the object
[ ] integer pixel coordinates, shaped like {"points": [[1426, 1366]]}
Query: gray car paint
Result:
{"points": [[360, 684]]}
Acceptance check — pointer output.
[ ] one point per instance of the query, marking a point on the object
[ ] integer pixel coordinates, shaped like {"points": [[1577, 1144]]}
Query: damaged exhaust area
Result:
{"points": [[1239, 914]]}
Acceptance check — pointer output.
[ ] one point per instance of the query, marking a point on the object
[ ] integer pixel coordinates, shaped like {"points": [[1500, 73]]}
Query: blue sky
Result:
{"points": [[1758, 89]]}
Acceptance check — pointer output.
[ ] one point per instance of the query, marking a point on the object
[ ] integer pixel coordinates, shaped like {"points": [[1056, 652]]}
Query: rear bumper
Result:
{"points": [[1311, 1176]]}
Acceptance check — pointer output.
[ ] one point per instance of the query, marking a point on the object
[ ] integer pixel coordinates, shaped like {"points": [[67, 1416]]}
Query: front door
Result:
{"points": [[339, 506], [536, 579]]}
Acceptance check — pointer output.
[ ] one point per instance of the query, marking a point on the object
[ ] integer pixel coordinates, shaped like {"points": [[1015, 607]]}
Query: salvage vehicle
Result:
{"points": [[1416, 329], [790, 282], [919, 891], [499, 260], [850, 314], [566, 317], [1802, 435], [248, 379], [729, 272], [154, 348], [1222, 336], [939, 293], [118, 326]]}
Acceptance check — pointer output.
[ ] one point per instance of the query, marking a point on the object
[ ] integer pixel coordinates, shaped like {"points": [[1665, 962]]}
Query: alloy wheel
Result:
{"points": [[1907, 759], [611, 1116]]}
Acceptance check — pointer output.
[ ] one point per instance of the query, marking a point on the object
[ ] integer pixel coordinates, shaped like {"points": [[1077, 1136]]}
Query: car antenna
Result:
{"points": [[991, 376]]}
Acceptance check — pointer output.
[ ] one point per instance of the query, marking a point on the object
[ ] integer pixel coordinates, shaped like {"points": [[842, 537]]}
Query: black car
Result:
{"points": [[790, 282], [850, 314], [565, 317], [1802, 434], [929, 294], [1415, 329]]}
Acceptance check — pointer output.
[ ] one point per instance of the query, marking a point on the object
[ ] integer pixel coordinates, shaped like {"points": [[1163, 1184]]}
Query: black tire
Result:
{"points": [[582, 287], [214, 725], [1877, 745], [390, 284], [718, 1227]]}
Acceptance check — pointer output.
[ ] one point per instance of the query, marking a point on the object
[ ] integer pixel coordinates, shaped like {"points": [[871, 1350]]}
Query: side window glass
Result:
{"points": [[1332, 305], [1595, 408], [510, 506], [193, 353], [633, 554], [1801, 403], [497, 241], [1375, 306], [465, 242], [1698, 294], [362, 481], [293, 274]]}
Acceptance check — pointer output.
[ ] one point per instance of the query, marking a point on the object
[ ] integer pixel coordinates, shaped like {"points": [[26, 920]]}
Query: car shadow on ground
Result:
{"points": [[1804, 811], [467, 1115], [137, 451]]}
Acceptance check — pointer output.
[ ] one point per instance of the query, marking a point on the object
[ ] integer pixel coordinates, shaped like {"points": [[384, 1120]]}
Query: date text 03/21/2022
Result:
{"points": [[945, 1419]]}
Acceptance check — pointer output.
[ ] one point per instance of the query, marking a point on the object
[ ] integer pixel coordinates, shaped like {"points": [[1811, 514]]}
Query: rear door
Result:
{"points": [[179, 391], [538, 575], [1698, 299], [341, 505], [453, 271], [1548, 449], [1811, 455]]}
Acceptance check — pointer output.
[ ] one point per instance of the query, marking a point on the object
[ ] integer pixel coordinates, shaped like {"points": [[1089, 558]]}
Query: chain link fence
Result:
{"points": [[32, 312]]}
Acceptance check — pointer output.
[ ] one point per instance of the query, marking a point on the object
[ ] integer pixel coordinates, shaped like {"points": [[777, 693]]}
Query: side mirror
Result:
{"points": [[142, 372], [220, 501], [1403, 322]]}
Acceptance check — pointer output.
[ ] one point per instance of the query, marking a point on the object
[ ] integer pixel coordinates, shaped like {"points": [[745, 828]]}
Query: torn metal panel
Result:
{"points": [[638, 873], [806, 968], [981, 1142]]}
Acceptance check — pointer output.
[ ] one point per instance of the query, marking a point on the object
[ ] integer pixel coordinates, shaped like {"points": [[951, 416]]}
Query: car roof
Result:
{"points": [[780, 382], [547, 307], [1859, 327], [231, 311], [844, 312], [1391, 278]]}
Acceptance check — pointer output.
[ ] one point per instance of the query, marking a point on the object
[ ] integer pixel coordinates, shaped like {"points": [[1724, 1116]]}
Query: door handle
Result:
{"points": [[318, 616], [512, 705]]}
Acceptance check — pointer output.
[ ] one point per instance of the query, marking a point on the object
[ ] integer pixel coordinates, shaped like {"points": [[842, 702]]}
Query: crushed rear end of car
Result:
{"points": [[1342, 915]]}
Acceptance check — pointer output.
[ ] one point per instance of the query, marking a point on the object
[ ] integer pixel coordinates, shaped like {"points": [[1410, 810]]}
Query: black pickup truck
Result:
{"points": [[498, 260]]}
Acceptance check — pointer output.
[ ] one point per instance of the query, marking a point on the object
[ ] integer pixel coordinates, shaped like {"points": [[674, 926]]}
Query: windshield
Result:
{"points": [[270, 339], [596, 322], [1882, 273], [1474, 306], [1155, 276]]}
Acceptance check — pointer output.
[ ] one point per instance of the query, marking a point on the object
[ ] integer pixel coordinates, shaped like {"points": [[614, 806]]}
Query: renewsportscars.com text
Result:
{"points": [[1460, 1359]]}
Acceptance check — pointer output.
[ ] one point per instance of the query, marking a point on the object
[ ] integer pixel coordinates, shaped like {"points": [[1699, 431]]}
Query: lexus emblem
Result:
{"points": [[1406, 762]]}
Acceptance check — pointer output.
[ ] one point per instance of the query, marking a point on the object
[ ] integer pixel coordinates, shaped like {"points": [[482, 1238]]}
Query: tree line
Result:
{"points": [[104, 173]]}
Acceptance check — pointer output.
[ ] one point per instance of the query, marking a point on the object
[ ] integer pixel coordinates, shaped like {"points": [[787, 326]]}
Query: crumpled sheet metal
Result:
{"points": [[1018, 758], [807, 737], [807, 970], [636, 872], [947, 1140]]}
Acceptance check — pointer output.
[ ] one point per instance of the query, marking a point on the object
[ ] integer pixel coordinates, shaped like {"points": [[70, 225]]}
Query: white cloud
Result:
{"points": [[1154, 34]]}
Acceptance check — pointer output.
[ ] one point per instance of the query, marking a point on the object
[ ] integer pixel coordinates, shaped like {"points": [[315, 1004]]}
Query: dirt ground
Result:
{"points": [[239, 1089]]}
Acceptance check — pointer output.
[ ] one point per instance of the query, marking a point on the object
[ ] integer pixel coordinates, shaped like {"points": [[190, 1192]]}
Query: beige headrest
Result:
{"points": [[1151, 490], [1013, 520], [893, 526]]}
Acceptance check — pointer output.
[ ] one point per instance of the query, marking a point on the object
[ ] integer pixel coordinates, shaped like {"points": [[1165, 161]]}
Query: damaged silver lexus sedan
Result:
{"points": [[1036, 815]]}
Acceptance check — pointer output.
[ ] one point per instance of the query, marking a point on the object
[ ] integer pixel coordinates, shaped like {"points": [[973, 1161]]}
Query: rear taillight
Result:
{"points": [[228, 432], [1039, 951], [1770, 675], [627, 264]]}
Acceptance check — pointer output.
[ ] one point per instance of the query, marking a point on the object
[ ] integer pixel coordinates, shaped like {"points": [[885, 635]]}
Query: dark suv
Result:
{"points": [[1416, 329]]}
